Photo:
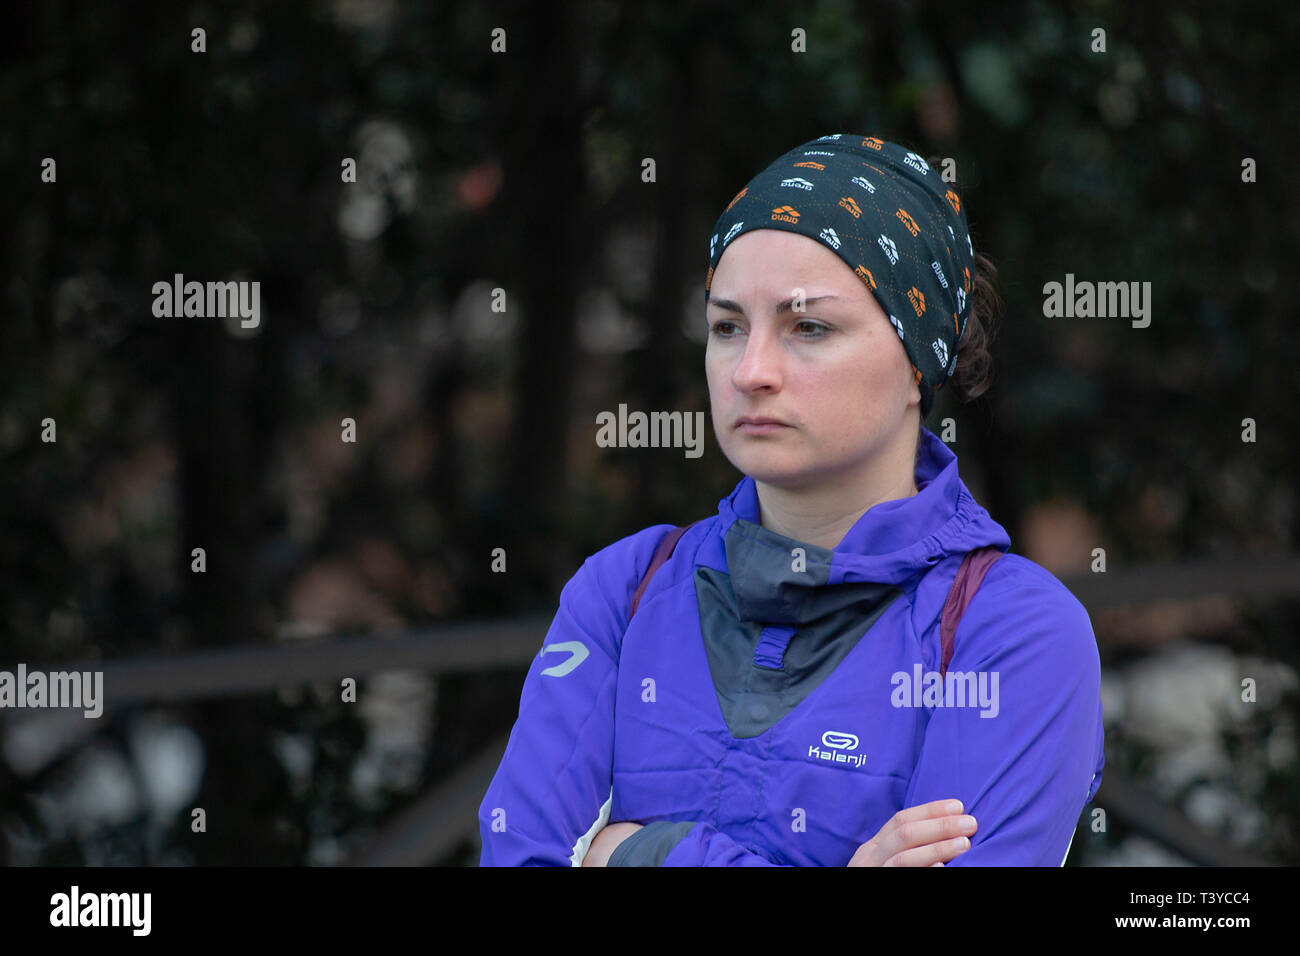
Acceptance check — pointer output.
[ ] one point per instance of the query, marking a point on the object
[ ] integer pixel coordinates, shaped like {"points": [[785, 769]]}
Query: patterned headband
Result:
{"points": [[884, 211]]}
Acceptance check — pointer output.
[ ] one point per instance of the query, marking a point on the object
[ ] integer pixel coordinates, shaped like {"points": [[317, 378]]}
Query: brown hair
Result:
{"points": [[974, 372]]}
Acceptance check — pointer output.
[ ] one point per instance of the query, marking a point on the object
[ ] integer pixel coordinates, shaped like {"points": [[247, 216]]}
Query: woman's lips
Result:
{"points": [[759, 427]]}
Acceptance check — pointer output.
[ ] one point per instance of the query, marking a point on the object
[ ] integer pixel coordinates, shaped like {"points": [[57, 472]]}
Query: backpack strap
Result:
{"points": [[662, 553], [969, 576]]}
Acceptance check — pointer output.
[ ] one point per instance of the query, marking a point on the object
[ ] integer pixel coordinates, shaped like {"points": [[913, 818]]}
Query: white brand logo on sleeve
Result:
{"points": [[577, 649]]}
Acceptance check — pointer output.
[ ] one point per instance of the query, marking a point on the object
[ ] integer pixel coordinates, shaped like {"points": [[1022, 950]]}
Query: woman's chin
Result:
{"points": [[791, 475]]}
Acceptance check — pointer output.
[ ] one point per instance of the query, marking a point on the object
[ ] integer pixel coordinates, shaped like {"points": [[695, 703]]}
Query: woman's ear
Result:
{"points": [[914, 394]]}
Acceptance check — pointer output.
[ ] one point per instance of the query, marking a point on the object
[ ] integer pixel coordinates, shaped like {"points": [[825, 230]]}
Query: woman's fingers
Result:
{"points": [[926, 835], [926, 811], [934, 854]]}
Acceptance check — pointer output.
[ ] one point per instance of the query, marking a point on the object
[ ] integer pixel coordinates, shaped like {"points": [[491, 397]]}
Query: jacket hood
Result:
{"points": [[893, 543]]}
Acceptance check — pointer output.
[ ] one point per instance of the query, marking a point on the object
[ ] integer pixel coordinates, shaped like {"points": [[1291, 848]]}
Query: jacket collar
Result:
{"points": [[891, 544]]}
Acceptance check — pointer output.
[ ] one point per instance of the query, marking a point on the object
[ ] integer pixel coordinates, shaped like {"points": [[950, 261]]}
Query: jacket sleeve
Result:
{"points": [[1026, 763], [552, 792], [683, 844]]}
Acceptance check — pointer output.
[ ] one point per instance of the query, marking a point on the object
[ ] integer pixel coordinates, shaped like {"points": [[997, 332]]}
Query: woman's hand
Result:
{"points": [[926, 835], [606, 842]]}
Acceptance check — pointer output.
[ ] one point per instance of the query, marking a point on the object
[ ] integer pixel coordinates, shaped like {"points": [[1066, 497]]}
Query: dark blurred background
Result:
{"points": [[522, 171]]}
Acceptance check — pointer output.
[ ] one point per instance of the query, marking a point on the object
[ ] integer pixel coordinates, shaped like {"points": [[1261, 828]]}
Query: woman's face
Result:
{"points": [[836, 374]]}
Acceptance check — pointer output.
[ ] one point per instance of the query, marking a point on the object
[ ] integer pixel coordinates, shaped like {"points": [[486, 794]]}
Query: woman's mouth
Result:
{"points": [[759, 425]]}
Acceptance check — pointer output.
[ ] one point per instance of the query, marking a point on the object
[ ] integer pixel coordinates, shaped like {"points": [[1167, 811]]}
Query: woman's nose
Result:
{"points": [[760, 364]]}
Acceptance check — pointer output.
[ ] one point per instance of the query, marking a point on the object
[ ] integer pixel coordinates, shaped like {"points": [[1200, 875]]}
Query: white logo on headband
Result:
{"points": [[968, 245], [891, 250], [828, 236], [712, 242], [864, 183], [916, 162], [941, 350], [898, 327], [961, 299], [731, 232]]}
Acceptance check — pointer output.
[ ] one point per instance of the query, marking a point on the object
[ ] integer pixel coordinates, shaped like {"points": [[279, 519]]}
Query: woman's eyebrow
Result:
{"points": [[785, 306]]}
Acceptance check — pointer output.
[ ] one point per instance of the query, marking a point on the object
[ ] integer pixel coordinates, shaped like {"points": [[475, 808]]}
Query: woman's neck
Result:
{"points": [[822, 514], [815, 519]]}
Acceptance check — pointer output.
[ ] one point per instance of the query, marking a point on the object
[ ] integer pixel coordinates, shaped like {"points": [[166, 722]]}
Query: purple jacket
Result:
{"points": [[773, 703]]}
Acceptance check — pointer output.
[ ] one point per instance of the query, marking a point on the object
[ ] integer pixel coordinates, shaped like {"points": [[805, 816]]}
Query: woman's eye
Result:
{"points": [[807, 329]]}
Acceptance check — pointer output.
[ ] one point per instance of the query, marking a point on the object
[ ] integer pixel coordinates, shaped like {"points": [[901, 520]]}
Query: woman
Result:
{"points": [[784, 694]]}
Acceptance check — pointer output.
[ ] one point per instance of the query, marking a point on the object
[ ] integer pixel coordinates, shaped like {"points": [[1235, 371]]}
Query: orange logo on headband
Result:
{"points": [[853, 208], [966, 279], [955, 326], [954, 201], [708, 279], [918, 374], [907, 221], [811, 165], [736, 199], [917, 298], [785, 214], [872, 142], [865, 275]]}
